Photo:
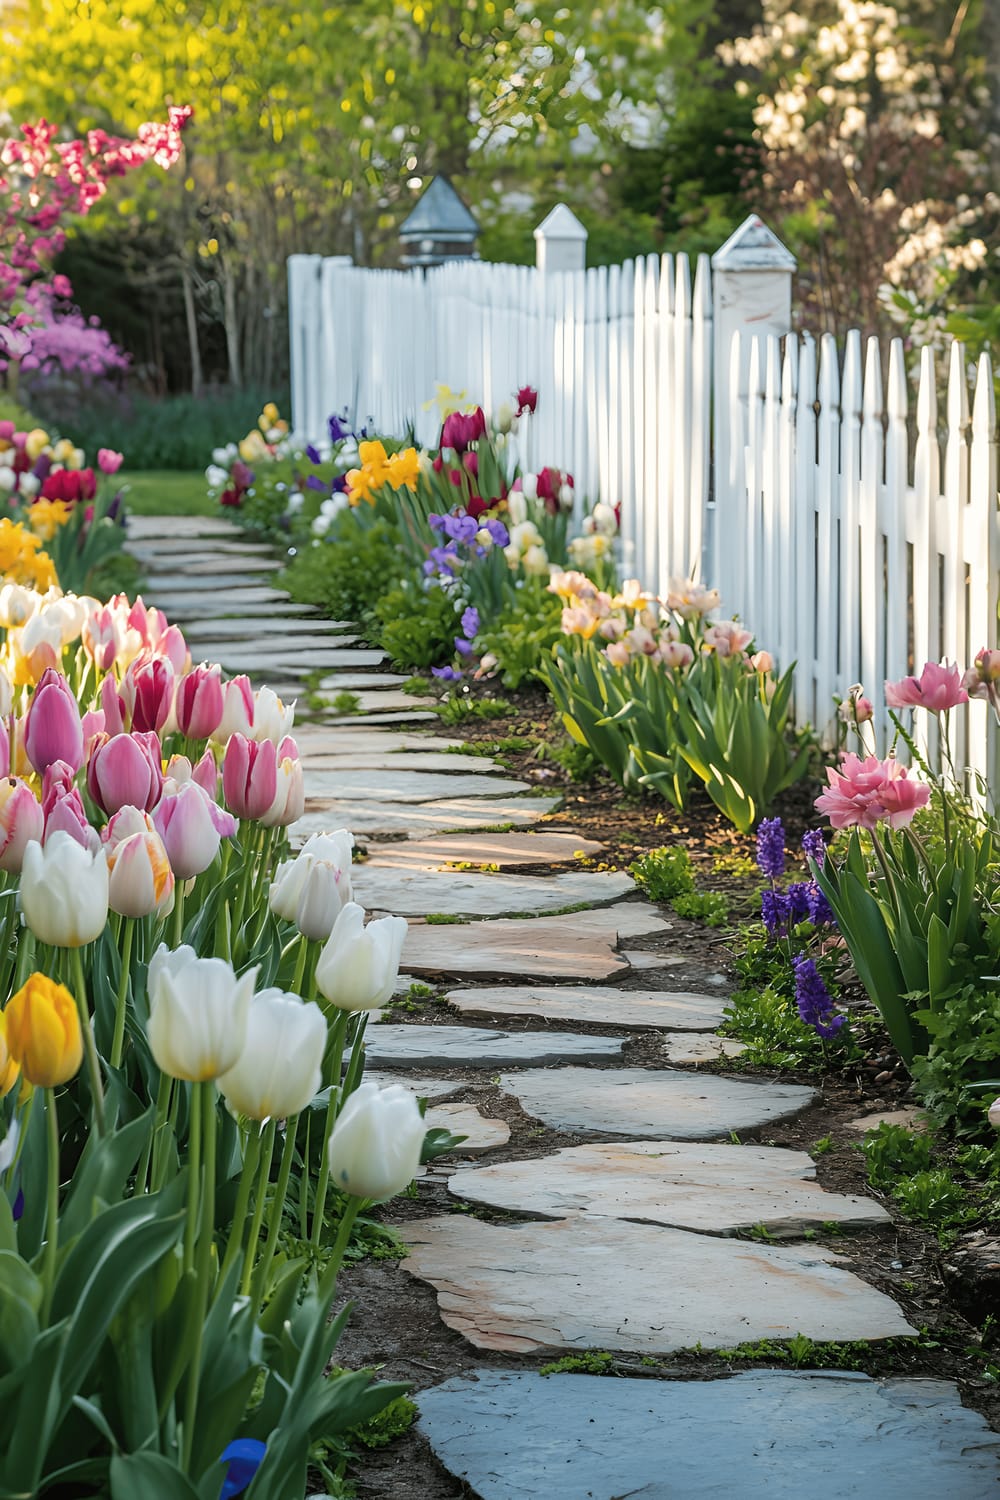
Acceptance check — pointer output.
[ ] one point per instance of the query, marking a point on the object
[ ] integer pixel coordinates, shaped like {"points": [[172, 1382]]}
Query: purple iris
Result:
{"points": [[313, 453], [338, 428], [446, 674], [461, 528], [498, 532], [435, 522], [813, 1000], [462, 646], [313, 482], [470, 622]]}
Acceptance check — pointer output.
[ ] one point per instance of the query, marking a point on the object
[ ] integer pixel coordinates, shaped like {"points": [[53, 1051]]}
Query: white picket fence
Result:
{"points": [[858, 534]]}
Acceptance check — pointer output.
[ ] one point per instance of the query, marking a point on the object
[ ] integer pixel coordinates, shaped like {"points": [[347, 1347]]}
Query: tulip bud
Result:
{"points": [[64, 891], [43, 1035], [17, 605], [280, 1067], [126, 822], [113, 707], [148, 692], [108, 461], [63, 809], [191, 826], [272, 720], [21, 821], [197, 1014], [312, 889], [53, 730], [237, 710], [249, 776], [375, 1146], [359, 965], [102, 637], [199, 703], [290, 794], [140, 880], [124, 771]]}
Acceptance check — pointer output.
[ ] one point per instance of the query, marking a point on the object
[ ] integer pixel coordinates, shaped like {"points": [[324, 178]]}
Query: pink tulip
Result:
{"points": [[62, 806], [676, 654], [855, 708], [141, 881], [101, 636], [199, 704], [21, 821], [289, 797], [249, 776], [173, 646], [113, 707], [864, 793], [53, 730], [148, 691], [126, 822], [237, 712], [206, 774], [191, 826], [727, 638], [108, 461], [618, 654], [937, 689], [762, 661], [124, 771]]}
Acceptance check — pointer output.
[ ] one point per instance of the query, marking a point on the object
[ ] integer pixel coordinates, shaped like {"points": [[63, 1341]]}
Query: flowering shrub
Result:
{"points": [[658, 692], [178, 1012]]}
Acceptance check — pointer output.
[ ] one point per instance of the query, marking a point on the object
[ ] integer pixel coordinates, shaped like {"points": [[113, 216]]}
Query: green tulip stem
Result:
{"points": [[25, 1104], [263, 1177], [194, 1177], [337, 1036], [300, 965], [328, 1285], [150, 1152], [356, 1066], [274, 1223], [251, 1160], [204, 1093], [52, 1211], [178, 913], [90, 1046], [120, 1004]]}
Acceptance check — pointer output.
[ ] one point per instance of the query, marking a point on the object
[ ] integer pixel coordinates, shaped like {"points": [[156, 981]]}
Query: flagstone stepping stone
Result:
{"points": [[175, 583], [410, 893], [380, 700], [174, 547], [403, 785], [650, 960], [423, 817], [407, 717], [481, 1132], [336, 740], [910, 1118], [141, 528], [701, 1049], [223, 597], [473, 1047], [711, 1189], [297, 628], [222, 648], [348, 682], [630, 919], [436, 1089], [213, 564], [263, 660], [596, 1283], [566, 947], [212, 609], [603, 1006], [758, 1435], [658, 1104], [410, 760], [505, 850]]}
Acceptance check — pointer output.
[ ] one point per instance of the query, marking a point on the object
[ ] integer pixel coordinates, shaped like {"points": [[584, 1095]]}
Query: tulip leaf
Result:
{"points": [[103, 1172], [20, 1301], [150, 1475]]}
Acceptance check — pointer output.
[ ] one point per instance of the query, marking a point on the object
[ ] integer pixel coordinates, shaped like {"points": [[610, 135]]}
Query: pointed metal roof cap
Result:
{"points": [[753, 247], [561, 224], [438, 214]]}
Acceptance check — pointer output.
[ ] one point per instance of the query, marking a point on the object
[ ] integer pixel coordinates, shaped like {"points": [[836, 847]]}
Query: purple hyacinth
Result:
{"points": [[812, 999], [774, 911], [446, 674], [814, 846], [771, 848], [820, 911]]}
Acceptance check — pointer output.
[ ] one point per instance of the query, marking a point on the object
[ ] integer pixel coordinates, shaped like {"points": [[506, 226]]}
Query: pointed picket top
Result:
{"points": [[897, 403], [561, 224], [872, 400], [753, 247], [807, 378], [984, 406], [958, 392]]}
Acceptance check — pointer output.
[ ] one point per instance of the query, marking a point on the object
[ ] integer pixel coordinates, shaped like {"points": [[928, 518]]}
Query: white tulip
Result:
{"points": [[375, 1146], [535, 561], [311, 893], [529, 486], [17, 605], [280, 1067], [566, 496], [8, 479], [237, 710], [30, 485], [993, 1114], [64, 891], [289, 797], [517, 509], [295, 502], [197, 1013], [359, 965], [320, 525], [216, 476], [6, 694], [271, 719]]}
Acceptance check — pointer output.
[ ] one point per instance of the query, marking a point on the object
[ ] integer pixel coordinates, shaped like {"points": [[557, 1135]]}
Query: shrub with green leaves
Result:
{"points": [[346, 578]]}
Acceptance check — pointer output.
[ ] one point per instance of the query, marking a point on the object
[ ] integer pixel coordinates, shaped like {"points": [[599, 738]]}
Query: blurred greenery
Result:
{"points": [[169, 493]]}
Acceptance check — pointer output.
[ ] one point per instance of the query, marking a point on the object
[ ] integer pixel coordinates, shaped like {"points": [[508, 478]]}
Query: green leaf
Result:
{"points": [[150, 1476], [20, 1301]]}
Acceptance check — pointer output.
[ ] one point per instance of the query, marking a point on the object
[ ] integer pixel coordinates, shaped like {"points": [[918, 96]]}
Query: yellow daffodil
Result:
{"points": [[46, 516], [253, 448], [21, 560], [404, 469]]}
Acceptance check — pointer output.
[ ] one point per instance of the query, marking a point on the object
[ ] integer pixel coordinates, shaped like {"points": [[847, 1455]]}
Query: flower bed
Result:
{"points": [[186, 1139]]}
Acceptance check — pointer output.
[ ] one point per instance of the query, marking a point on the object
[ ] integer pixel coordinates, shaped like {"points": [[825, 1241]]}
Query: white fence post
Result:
{"points": [[561, 241], [752, 295]]}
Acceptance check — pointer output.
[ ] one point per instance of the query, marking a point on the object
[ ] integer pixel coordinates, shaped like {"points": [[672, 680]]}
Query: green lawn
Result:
{"points": [[168, 492]]}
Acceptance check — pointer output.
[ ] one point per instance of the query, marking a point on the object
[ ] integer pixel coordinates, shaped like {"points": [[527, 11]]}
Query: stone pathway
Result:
{"points": [[625, 1239]]}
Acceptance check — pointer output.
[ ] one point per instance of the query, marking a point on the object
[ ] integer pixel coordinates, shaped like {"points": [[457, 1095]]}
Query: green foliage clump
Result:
{"points": [[709, 907], [389, 1423], [345, 575], [416, 626], [892, 1152], [961, 1057], [522, 635], [774, 1034], [579, 763], [664, 873], [13, 411]]}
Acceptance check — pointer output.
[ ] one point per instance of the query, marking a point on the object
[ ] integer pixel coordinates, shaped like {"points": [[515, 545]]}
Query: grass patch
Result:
{"points": [[167, 492]]}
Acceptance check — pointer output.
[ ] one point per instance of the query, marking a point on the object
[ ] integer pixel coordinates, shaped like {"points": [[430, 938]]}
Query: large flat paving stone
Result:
{"points": [[298, 629], [222, 597], [502, 850], [435, 1089], [404, 716], [199, 607], [140, 528], [174, 583], [602, 1006], [222, 647], [402, 785], [711, 1189], [660, 1104], [213, 564], [410, 760], [418, 818], [354, 682], [481, 1132], [455, 893], [694, 1048], [759, 1435], [334, 741], [380, 701], [261, 659], [474, 1047], [594, 1283], [567, 947]]}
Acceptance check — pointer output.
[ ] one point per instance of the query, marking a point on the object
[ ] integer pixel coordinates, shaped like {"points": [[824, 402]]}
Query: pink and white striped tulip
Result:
{"points": [[53, 730], [249, 776], [237, 710], [148, 692], [21, 821], [290, 794], [198, 704]]}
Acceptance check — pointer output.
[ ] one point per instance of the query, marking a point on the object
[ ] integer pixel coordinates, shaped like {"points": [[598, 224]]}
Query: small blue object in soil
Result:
{"points": [[244, 1457]]}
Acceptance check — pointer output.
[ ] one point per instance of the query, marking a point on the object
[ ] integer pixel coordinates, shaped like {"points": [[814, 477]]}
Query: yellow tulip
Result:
{"points": [[36, 442], [9, 1069], [43, 1032]]}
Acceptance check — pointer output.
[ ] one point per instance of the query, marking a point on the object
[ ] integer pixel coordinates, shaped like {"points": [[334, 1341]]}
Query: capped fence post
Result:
{"points": [[561, 241], [751, 295]]}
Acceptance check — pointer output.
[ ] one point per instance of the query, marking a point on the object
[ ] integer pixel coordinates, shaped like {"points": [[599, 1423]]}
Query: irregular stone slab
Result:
{"points": [[224, 597], [455, 893], [759, 1435], [410, 760], [910, 1117], [482, 1133], [411, 716], [336, 740], [547, 947], [640, 960], [141, 528], [436, 1089], [504, 850], [401, 785], [662, 1104], [217, 581], [380, 701], [601, 1006], [350, 682], [474, 1047], [215, 564], [701, 1049], [258, 660], [194, 607], [593, 1283], [222, 647], [415, 819], [711, 1189], [174, 549], [630, 919], [236, 630]]}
